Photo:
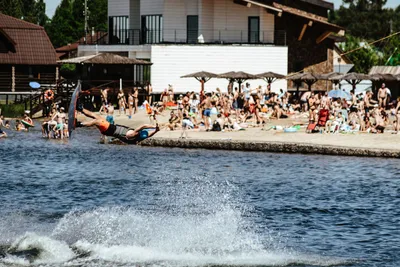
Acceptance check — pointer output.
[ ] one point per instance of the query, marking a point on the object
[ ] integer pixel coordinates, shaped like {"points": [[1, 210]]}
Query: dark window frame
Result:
{"points": [[118, 29], [189, 32], [152, 28], [250, 32]]}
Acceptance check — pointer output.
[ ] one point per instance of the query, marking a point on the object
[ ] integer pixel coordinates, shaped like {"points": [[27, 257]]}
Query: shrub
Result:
{"points": [[12, 110]]}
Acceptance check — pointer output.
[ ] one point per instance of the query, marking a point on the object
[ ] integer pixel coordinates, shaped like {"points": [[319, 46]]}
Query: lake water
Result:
{"points": [[79, 203]]}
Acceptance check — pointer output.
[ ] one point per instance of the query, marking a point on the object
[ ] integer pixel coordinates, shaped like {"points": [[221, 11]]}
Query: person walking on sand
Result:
{"points": [[206, 106]]}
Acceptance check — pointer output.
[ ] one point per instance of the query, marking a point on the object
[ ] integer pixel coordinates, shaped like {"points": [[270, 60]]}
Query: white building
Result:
{"points": [[185, 36]]}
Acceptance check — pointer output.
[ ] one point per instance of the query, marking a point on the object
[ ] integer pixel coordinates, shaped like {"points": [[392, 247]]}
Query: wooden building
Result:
{"points": [[26, 55]]}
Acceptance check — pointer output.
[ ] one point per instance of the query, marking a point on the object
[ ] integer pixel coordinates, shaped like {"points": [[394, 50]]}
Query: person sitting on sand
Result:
{"points": [[173, 121], [123, 133]]}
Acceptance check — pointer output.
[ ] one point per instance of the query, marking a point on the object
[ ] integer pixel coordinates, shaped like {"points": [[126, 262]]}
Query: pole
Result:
{"points": [[85, 13]]}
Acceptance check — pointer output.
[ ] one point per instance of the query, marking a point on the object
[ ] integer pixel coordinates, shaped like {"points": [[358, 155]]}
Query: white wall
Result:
{"points": [[152, 7], [232, 20], [134, 14], [118, 8], [173, 61], [206, 19]]}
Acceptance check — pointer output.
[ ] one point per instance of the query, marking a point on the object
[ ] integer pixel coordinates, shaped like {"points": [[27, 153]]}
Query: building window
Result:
{"points": [[118, 30], [192, 29], [152, 26], [254, 30]]}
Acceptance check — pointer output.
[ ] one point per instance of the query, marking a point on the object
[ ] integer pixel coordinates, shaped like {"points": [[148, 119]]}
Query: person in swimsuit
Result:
{"points": [[123, 133], [131, 101], [121, 102], [135, 99], [2, 133]]}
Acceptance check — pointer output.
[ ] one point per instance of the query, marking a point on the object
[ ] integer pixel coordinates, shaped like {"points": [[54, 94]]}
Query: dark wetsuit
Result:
{"points": [[120, 131]]}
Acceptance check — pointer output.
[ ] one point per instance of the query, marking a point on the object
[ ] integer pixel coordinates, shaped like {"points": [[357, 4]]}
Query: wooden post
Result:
{"points": [[57, 74], [6, 99], [302, 32], [13, 79]]}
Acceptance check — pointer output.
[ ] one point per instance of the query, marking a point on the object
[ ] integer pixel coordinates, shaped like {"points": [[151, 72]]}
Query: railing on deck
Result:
{"points": [[176, 36]]}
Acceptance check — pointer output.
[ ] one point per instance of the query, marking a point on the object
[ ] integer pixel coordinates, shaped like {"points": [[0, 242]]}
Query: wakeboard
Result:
{"points": [[72, 109]]}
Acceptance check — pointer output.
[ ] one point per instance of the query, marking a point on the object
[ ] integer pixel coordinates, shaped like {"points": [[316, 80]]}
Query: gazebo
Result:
{"points": [[103, 67]]}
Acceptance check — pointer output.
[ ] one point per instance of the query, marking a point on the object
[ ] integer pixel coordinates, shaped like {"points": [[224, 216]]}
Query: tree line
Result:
{"points": [[366, 21], [67, 24]]}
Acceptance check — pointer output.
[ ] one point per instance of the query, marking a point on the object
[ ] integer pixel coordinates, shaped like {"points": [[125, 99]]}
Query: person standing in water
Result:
{"points": [[2, 133]]}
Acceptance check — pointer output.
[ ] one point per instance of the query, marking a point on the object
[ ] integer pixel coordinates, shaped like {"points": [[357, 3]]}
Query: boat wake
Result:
{"points": [[126, 237], [194, 222]]}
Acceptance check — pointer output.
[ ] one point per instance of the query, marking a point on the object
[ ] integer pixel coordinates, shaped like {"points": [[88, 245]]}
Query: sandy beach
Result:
{"points": [[386, 142]]}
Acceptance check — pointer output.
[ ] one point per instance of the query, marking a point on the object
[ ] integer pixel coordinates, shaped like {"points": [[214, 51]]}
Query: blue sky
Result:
{"points": [[51, 5]]}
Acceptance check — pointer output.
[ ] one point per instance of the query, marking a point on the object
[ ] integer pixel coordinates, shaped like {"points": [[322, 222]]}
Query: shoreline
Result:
{"points": [[271, 147]]}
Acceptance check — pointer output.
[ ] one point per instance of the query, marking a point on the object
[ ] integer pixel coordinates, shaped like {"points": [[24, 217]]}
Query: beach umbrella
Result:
{"points": [[377, 77], [238, 77], [270, 77], [202, 77], [307, 77], [339, 94], [34, 85], [352, 78]]}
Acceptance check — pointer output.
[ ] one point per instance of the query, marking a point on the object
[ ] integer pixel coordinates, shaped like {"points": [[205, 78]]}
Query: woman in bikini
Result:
{"points": [[121, 102]]}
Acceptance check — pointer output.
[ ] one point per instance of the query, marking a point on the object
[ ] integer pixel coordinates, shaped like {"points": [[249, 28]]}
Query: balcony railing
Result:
{"points": [[175, 36]]}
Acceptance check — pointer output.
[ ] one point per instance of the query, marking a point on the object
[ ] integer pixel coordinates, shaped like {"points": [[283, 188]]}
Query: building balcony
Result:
{"points": [[195, 37]]}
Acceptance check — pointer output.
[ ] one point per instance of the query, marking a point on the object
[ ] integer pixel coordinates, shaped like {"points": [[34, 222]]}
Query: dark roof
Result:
{"points": [[31, 44]]}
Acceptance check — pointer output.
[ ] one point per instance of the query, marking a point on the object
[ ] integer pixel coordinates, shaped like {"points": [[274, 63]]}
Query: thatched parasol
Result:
{"points": [[331, 76], [238, 77], [270, 77], [202, 77], [105, 58], [377, 77], [307, 77], [352, 78]]}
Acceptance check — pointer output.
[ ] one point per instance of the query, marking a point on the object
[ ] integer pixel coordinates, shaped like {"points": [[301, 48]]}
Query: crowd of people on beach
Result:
{"points": [[237, 110]]}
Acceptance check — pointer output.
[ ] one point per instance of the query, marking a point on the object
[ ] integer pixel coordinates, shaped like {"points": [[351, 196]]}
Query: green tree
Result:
{"points": [[40, 13], [61, 31], [12, 8], [67, 25], [363, 58]]}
